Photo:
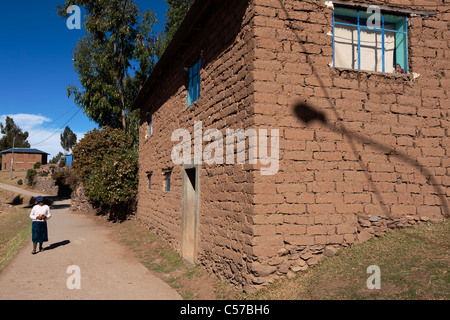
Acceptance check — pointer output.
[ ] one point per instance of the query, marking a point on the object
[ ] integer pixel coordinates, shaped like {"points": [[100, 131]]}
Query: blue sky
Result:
{"points": [[36, 68]]}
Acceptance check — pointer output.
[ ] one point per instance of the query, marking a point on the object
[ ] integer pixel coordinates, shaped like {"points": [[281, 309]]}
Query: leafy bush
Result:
{"points": [[37, 165], [66, 180], [107, 163], [20, 182], [30, 177]]}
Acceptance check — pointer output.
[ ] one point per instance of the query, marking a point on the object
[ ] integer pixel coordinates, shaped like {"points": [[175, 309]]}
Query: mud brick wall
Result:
{"points": [[225, 47], [361, 152], [22, 161]]}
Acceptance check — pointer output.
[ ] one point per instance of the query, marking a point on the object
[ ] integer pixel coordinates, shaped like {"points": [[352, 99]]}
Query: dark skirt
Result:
{"points": [[39, 233]]}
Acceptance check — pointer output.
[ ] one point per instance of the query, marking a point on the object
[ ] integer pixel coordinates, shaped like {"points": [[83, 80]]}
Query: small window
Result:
{"points": [[356, 45], [150, 123], [167, 183], [149, 177], [194, 83]]}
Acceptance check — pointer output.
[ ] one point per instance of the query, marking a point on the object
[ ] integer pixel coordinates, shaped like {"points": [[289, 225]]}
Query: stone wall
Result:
{"points": [[46, 185], [79, 201], [22, 161]]}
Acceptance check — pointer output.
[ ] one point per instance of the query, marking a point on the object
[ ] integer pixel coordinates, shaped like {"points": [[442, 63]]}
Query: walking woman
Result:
{"points": [[39, 214]]}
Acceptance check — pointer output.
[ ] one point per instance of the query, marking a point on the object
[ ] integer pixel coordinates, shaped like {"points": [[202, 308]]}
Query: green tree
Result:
{"points": [[9, 131], [68, 139], [107, 163], [177, 10], [113, 60], [56, 158]]}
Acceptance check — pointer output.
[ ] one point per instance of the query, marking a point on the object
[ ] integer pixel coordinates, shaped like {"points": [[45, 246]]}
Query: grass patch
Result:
{"points": [[5, 177], [15, 229], [414, 264]]}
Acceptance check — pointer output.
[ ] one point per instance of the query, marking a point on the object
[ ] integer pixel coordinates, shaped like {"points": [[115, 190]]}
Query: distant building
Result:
{"points": [[24, 158], [69, 160]]}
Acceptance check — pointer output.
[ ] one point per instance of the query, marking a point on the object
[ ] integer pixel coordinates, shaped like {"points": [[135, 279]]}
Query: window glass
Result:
{"points": [[149, 177], [359, 46], [194, 83], [167, 177], [150, 123]]}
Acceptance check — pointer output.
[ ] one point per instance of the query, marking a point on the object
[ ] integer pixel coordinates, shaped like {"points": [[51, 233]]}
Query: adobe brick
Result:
{"points": [[267, 240], [334, 239], [328, 156], [345, 229], [299, 240], [330, 197], [291, 229], [261, 230], [299, 219], [403, 210], [346, 208], [323, 208], [315, 230], [321, 239], [430, 211], [265, 250]]}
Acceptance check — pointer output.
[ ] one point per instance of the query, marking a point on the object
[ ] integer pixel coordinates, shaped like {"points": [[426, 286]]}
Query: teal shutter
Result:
{"points": [[194, 83]]}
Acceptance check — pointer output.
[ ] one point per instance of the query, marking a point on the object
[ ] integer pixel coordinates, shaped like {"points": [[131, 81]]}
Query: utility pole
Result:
{"points": [[12, 158]]}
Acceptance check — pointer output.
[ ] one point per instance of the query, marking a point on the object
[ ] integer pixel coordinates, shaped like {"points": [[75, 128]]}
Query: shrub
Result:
{"points": [[107, 163], [20, 182], [37, 165], [31, 177], [66, 180]]}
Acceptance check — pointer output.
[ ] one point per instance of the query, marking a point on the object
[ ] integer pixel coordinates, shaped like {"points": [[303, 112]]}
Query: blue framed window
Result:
{"points": [[360, 46], [194, 83]]}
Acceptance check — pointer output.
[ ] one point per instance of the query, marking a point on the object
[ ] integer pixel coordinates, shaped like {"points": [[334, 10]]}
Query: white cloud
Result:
{"points": [[26, 122], [48, 141], [42, 136]]}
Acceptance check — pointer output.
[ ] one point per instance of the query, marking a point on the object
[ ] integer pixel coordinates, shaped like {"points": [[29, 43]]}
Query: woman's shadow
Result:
{"points": [[57, 245]]}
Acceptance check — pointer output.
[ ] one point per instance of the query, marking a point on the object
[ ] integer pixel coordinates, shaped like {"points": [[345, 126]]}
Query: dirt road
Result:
{"points": [[79, 253]]}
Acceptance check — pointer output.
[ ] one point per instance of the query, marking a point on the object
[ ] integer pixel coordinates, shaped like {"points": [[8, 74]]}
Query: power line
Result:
{"points": [[51, 123], [57, 131]]}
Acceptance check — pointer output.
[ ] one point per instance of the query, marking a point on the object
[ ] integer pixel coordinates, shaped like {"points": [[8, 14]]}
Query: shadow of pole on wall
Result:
{"points": [[308, 115]]}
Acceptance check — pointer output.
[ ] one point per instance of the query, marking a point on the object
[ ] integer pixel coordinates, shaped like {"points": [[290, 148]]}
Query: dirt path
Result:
{"points": [[19, 190], [107, 269]]}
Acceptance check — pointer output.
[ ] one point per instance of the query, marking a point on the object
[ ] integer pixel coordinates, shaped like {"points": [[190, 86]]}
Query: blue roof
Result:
{"points": [[25, 150]]}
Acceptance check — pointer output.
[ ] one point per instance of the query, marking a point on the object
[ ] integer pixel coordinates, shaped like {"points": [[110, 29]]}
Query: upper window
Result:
{"points": [[150, 123], [361, 44], [194, 83]]}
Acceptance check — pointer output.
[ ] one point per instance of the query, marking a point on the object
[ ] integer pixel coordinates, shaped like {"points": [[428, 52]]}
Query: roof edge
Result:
{"points": [[194, 14], [24, 150]]}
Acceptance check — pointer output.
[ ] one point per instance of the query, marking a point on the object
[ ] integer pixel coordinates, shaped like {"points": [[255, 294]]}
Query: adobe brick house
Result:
{"points": [[24, 158], [362, 148]]}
